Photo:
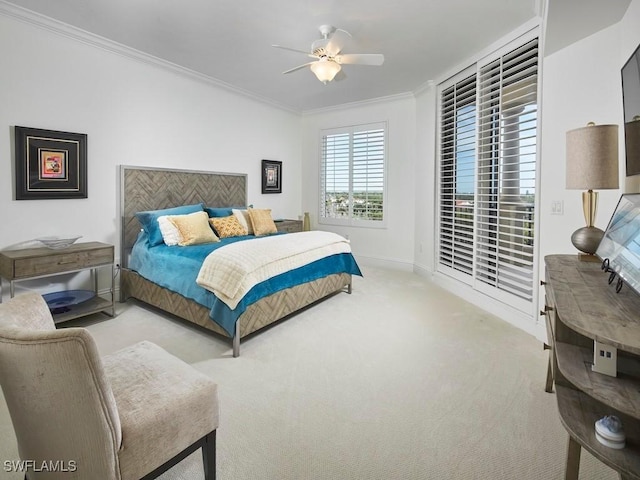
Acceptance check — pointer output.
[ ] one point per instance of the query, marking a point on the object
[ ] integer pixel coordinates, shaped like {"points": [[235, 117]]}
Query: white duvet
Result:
{"points": [[231, 271]]}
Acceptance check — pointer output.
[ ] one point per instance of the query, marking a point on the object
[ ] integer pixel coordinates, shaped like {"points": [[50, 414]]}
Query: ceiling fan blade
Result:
{"points": [[298, 67], [295, 50], [337, 42], [375, 59]]}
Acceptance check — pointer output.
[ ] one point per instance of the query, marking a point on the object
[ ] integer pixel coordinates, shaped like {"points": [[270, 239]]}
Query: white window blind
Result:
{"points": [[352, 175], [457, 175], [487, 175], [506, 171]]}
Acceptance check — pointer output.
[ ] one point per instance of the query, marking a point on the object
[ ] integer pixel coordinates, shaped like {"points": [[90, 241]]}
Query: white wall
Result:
{"points": [[425, 181], [134, 113], [392, 246], [581, 83]]}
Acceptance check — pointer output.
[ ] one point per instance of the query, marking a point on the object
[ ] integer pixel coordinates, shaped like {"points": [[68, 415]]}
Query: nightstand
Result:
{"points": [[289, 226], [32, 263]]}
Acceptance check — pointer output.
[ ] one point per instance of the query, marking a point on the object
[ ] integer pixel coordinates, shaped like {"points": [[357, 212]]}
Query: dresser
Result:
{"points": [[582, 307], [32, 263]]}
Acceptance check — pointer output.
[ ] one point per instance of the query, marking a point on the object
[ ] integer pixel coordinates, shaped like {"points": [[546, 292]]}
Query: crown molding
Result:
{"points": [[371, 101], [60, 28]]}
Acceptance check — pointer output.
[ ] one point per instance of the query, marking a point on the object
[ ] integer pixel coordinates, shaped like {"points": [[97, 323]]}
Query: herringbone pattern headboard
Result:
{"points": [[146, 188]]}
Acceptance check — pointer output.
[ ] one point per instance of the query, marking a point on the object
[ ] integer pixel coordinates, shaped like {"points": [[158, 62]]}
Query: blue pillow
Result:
{"points": [[149, 220], [222, 211], [217, 212]]}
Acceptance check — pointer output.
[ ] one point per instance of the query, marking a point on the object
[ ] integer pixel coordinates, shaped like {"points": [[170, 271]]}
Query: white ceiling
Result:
{"points": [[230, 40], [571, 20]]}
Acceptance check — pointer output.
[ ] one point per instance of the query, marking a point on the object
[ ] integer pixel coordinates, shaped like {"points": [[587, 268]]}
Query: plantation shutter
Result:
{"points": [[335, 176], [507, 119], [352, 175], [368, 173], [457, 175]]}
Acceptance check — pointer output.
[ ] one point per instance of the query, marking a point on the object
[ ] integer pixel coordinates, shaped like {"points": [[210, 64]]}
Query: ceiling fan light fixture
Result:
{"points": [[325, 70]]}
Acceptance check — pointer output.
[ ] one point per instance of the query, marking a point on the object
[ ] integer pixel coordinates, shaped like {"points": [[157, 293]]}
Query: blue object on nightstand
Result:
{"points": [[59, 302]]}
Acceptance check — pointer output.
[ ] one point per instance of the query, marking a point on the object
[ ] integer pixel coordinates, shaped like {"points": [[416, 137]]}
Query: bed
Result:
{"points": [[145, 189]]}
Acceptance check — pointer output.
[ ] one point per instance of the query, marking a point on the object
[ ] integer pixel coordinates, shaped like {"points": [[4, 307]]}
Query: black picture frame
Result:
{"points": [[271, 176], [49, 164]]}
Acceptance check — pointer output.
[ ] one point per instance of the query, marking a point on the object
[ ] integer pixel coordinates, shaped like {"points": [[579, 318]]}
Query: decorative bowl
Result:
{"points": [[58, 242]]}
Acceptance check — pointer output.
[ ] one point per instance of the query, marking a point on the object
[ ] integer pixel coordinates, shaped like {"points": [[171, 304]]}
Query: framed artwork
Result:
{"points": [[271, 176], [50, 164]]}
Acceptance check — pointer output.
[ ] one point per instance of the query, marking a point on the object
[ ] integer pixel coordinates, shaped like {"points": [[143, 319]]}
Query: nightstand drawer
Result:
{"points": [[62, 262], [289, 226]]}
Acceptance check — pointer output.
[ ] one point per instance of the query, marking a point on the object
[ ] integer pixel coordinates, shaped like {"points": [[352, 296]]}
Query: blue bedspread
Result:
{"points": [[176, 268]]}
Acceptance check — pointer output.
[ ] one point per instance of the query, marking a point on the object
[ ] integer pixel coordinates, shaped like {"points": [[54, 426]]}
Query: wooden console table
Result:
{"points": [[580, 307]]}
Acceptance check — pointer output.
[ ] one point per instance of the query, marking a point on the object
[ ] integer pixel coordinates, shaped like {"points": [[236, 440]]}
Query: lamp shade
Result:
{"points": [[592, 158], [325, 69]]}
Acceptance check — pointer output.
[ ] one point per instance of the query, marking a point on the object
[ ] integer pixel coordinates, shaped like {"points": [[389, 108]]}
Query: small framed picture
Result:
{"points": [[271, 176], [50, 164]]}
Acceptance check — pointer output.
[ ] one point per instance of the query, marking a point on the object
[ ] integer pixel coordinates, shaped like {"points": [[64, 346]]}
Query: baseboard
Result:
{"points": [[381, 262]]}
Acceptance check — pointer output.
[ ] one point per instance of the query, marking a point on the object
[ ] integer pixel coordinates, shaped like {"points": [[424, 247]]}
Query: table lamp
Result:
{"points": [[592, 164]]}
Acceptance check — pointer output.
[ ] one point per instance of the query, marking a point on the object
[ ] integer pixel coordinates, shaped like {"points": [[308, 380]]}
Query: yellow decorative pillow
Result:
{"points": [[262, 221], [194, 228], [227, 226]]}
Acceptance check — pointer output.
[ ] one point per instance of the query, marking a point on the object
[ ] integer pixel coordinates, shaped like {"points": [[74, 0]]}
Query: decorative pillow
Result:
{"points": [[194, 228], [227, 226], [170, 233], [243, 217], [149, 220], [262, 222], [217, 212]]}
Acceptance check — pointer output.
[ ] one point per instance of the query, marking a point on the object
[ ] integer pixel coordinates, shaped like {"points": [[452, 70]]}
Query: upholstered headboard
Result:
{"points": [[148, 188]]}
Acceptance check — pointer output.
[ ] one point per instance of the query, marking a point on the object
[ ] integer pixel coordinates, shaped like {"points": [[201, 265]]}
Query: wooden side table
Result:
{"points": [[32, 263], [580, 308], [289, 226]]}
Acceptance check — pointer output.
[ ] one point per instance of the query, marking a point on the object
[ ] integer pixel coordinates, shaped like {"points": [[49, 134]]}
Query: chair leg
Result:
{"points": [[209, 456]]}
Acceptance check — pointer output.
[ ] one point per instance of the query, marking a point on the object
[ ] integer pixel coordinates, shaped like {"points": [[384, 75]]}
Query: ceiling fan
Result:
{"points": [[329, 60]]}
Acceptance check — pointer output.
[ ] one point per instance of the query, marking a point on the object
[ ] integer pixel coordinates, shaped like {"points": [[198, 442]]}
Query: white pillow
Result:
{"points": [[170, 233], [244, 219]]}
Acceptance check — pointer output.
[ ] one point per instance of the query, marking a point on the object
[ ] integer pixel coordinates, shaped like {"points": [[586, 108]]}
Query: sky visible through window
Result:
{"points": [[466, 153], [368, 154]]}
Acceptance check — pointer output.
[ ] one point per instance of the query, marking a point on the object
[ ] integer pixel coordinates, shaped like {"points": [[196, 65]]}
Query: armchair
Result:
{"points": [[129, 415]]}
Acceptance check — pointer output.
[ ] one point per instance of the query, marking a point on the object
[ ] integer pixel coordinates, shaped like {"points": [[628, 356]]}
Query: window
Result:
{"points": [[457, 175], [487, 175], [352, 175]]}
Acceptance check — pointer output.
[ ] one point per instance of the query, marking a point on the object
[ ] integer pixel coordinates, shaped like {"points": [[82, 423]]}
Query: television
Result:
{"points": [[619, 248], [631, 106]]}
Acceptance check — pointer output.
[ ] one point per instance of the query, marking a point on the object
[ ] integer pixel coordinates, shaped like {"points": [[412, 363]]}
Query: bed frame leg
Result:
{"points": [[236, 340], [349, 288]]}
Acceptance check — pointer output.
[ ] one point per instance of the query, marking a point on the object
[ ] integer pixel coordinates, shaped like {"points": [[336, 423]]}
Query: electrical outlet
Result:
{"points": [[605, 359]]}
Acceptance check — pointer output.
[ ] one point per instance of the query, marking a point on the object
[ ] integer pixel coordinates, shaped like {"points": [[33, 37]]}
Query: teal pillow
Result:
{"points": [[217, 212], [149, 220]]}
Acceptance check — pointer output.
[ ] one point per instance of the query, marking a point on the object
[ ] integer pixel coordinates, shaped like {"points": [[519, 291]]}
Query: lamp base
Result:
{"points": [[587, 239]]}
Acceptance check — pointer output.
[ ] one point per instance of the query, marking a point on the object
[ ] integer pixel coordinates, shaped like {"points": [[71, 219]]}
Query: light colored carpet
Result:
{"points": [[400, 380]]}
